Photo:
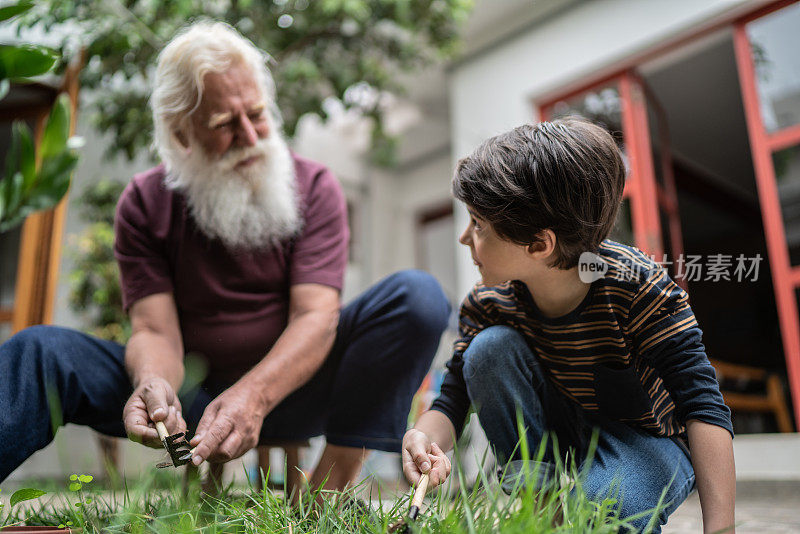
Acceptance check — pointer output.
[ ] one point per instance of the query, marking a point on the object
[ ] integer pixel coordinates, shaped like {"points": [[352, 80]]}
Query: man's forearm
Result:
{"points": [[712, 459], [149, 354], [296, 356]]}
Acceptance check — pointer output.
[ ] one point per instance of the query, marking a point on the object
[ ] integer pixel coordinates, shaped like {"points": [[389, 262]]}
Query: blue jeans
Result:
{"points": [[360, 397], [503, 376]]}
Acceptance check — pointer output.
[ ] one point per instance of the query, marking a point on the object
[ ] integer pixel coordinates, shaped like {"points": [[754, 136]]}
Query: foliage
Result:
{"points": [[484, 509], [37, 179], [21, 495], [34, 178], [321, 49], [561, 507], [94, 281]]}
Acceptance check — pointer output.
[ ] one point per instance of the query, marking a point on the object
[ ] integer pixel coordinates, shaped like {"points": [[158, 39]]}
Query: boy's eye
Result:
{"points": [[475, 223]]}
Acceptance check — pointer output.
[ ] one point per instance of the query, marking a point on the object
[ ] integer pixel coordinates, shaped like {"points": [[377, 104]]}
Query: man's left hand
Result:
{"points": [[230, 425]]}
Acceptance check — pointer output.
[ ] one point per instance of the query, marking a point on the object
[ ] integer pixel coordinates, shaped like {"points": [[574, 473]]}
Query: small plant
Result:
{"points": [[21, 495], [78, 510]]}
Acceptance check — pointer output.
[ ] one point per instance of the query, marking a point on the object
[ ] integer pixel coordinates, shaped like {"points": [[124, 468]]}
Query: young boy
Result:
{"points": [[621, 351]]}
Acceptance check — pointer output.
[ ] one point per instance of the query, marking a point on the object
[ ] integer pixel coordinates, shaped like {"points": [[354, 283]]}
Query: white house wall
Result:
{"points": [[397, 197]]}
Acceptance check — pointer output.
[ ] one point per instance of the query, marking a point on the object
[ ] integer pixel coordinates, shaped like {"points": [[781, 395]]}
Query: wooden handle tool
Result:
{"points": [[401, 526], [419, 495], [161, 428]]}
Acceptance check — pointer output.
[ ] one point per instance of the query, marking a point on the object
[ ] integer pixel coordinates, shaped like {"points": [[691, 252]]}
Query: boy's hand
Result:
{"points": [[422, 456]]}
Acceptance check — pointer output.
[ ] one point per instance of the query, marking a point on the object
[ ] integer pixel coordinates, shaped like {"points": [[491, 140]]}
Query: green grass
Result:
{"points": [[146, 507]]}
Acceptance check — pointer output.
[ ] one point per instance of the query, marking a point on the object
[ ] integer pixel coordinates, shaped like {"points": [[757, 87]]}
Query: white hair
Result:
{"points": [[252, 208], [198, 49]]}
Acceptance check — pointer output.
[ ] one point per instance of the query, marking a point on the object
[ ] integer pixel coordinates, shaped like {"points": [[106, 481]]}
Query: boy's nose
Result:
{"points": [[464, 238]]}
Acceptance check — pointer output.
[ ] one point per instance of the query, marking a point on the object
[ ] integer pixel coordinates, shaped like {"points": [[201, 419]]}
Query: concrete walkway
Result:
{"points": [[761, 507]]}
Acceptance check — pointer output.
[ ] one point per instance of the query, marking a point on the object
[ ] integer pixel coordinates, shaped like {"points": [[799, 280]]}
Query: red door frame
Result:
{"points": [[785, 278], [636, 132], [667, 191], [642, 188]]}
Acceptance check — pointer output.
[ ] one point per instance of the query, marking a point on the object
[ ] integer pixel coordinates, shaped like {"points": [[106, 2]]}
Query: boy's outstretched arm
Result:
{"points": [[424, 448], [712, 458]]}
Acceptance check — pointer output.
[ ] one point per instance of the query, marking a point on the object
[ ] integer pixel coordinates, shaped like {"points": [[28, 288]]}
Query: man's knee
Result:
{"points": [[491, 354], [425, 304], [44, 351], [32, 342]]}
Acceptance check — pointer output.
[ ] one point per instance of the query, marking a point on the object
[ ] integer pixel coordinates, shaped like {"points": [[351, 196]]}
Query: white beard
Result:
{"points": [[249, 208]]}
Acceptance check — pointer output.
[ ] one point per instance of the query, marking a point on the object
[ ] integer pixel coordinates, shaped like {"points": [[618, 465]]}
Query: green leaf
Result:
{"points": [[56, 131], [27, 154], [24, 61], [75, 486], [3, 185], [12, 158], [13, 10], [12, 222], [53, 183], [14, 194], [25, 494], [86, 478], [73, 476]]}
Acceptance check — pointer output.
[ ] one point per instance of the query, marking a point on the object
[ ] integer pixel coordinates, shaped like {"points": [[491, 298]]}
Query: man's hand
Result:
{"points": [[153, 400], [230, 425], [421, 456]]}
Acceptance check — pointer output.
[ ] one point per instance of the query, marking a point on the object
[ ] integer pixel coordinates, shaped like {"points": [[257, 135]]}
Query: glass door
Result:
{"points": [[766, 45]]}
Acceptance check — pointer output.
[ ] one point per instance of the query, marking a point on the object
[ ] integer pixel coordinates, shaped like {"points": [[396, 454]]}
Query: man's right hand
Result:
{"points": [[421, 456], [153, 400]]}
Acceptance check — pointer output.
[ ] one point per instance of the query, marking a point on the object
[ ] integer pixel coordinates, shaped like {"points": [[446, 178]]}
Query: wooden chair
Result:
{"points": [[772, 400]]}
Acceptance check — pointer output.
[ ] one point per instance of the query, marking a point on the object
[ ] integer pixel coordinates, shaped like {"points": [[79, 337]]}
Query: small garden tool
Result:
{"points": [[413, 511], [177, 447]]}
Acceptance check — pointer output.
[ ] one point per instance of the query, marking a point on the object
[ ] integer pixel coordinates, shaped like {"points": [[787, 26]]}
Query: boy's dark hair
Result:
{"points": [[565, 175]]}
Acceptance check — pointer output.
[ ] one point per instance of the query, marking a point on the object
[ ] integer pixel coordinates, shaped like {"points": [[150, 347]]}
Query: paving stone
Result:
{"points": [[761, 507]]}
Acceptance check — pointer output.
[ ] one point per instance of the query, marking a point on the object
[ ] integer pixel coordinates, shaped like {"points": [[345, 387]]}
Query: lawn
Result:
{"points": [[159, 504]]}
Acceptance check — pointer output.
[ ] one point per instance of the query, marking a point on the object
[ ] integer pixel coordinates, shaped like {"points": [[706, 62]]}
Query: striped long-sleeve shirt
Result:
{"points": [[631, 351]]}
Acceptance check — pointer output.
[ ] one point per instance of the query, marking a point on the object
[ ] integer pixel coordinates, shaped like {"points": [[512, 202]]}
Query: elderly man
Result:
{"points": [[233, 249]]}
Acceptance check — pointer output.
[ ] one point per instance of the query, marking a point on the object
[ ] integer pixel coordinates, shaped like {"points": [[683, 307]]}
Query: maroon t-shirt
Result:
{"points": [[232, 304]]}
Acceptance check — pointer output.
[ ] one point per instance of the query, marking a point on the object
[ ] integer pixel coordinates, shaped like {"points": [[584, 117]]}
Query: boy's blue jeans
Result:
{"points": [[360, 397], [503, 376]]}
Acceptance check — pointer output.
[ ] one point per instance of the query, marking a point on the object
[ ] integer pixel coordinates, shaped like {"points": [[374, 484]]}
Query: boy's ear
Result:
{"points": [[545, 246]]}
